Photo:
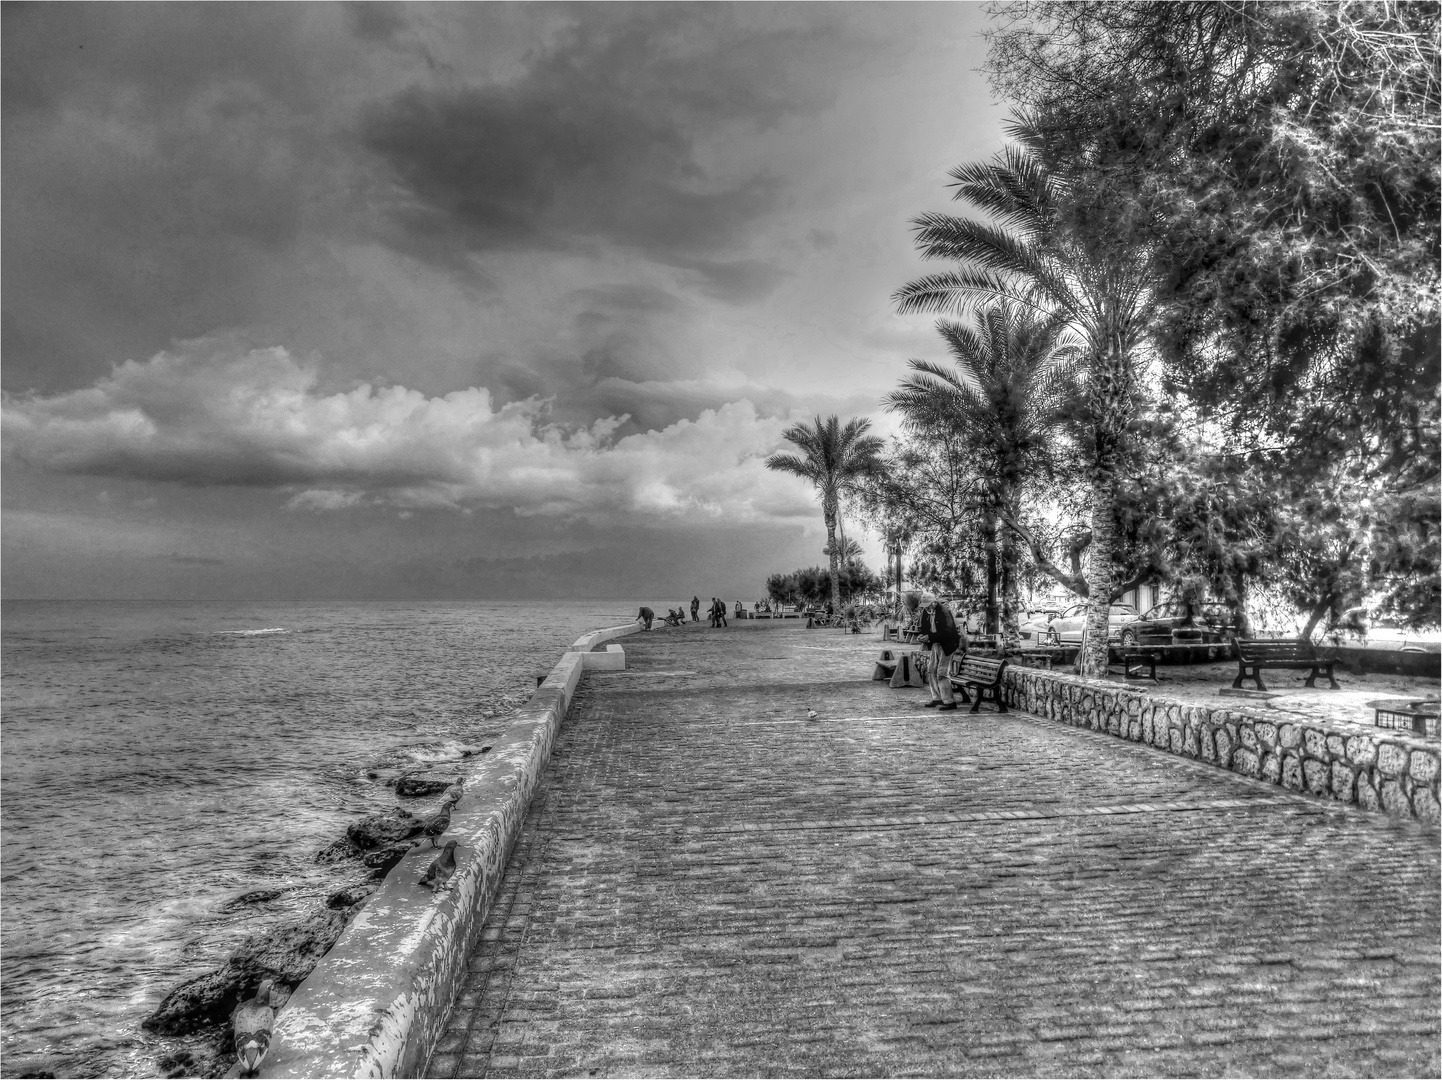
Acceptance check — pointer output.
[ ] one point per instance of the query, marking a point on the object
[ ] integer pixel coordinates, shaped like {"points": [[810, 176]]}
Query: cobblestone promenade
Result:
{"points": [[710, 884]]}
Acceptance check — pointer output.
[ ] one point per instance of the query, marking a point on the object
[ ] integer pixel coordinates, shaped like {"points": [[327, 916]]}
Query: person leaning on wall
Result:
{"points": [[938, 629]]}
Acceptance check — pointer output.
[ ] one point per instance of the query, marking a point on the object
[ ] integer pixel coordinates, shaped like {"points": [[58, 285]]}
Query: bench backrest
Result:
{"points": [[978, 669], [1287, 650]]}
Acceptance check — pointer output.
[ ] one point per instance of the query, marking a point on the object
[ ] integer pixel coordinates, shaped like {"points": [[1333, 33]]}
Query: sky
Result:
{"points": [[480, 300]]}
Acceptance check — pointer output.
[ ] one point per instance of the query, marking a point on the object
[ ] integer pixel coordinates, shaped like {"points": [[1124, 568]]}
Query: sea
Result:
{"points": [[158, 761]]}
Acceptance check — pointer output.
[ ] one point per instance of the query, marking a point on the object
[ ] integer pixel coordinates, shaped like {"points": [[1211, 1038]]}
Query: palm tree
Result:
{"points": [[833, 458], [1014, 373], [1051, 247]]}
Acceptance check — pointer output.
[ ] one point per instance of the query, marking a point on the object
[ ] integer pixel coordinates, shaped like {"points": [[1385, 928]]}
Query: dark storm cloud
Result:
{"points": [[600, 141]]}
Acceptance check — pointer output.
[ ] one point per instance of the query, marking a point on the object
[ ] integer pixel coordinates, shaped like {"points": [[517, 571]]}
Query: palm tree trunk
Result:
{"points": [[829, 510], [1093, 659], [1010, 608]]}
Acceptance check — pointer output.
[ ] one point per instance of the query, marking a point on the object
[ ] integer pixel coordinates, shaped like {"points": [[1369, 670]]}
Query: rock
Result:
{"points": [[1343, 783], [1424, 806], [337, 851], [1336, 746], [472, 752], [350, 896], [1361, 751], [1292, 772], [1245, 762], [386, 859], [1422, 766], [383, 830], [412, 786], [1272, 768], [1318, 776], [1290, 736], [1316, 743], [1226, 741], [1394, 800], [1366, 793], [255, 896], [285, 954], [1391, 760]]}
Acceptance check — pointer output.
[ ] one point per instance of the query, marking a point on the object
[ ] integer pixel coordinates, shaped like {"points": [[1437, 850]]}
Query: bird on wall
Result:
{"points": [[811, 714], [253, 1023], [440, 871], [437, 824]]}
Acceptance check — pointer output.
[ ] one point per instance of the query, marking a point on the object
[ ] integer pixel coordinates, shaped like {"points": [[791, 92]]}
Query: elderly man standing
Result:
{"points": [[939, 630]]}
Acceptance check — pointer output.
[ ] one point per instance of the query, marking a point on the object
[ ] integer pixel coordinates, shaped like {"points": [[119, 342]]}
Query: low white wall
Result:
{"points": [[378, 1001]]}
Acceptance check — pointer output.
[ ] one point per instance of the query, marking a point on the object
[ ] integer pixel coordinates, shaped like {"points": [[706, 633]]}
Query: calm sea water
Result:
{"points": [[157, 760]]}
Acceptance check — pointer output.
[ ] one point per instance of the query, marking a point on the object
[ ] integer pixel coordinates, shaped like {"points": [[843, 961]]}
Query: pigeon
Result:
{"points": [[811, 714], [253, 1022], [440, 871], [437, 824]]}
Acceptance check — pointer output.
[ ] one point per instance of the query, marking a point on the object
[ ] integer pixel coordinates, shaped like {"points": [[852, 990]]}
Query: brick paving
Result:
{"points": [[709, 884]]}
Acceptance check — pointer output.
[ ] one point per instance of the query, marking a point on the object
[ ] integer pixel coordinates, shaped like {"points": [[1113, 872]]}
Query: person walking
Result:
{"points": [[939, 630], [695, 609], [646, 615]]}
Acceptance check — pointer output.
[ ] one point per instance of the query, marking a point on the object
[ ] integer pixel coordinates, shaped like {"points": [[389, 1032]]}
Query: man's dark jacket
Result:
{"points": [[938, 626]]}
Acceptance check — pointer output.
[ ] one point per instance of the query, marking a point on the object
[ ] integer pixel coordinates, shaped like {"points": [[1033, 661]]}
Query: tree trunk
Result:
{"points": [[1323, 606], [1240, 615], [1092, 661], [989, 623], [1010, 609], [830, 512]]}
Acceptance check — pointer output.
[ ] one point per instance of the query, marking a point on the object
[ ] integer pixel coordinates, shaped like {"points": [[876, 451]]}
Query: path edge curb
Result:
{"points": [[378, 1001]]}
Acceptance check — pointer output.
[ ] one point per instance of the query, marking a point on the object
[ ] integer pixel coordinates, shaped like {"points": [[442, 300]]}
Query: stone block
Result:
{"points": [[1289, 736], [1192, 743], [1292, 778], [1226, 742], [1249, 738], [1316, 743], [1209, 747], [1114, 721], [1176, 740], [1272, 768], [1318, 776], [1391, 759], [1366, 793], [1233, 728], [1362, 751], [1337, 746], [1394, 800], [1424, 806], [1422, 766], [1266, 734], [1134, 707], [1245, 761], [1174, 715], [1344, 782]]}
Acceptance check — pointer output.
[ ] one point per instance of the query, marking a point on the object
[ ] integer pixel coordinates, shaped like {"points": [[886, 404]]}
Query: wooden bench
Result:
{"points": [[981, 675], [1254, 654]]}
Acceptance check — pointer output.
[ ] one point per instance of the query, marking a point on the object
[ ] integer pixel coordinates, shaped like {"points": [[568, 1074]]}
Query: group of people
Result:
{"points": [[677, 616]]}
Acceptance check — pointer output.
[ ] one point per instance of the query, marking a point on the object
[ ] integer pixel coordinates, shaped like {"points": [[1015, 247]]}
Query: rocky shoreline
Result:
{"points": [[195, 1017]]}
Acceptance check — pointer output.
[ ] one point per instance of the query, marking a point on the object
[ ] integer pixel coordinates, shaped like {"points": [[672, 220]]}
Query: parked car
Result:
{"points": [[1034, 623], [1214, 620], [1066, 629]]}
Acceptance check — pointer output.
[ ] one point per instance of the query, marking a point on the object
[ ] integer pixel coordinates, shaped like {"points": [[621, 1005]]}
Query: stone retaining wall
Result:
{"points": [[1392, 772], [378, 1001]]}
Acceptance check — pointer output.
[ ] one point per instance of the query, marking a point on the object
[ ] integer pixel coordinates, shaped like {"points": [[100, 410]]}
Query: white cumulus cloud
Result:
{"points": [[210, 413]]}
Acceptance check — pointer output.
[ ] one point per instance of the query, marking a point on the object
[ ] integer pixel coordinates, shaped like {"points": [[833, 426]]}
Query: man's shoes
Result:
{"points": [[950, 706], [932, 704]]}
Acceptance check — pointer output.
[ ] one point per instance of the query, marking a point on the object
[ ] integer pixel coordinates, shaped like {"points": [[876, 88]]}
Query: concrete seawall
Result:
{"points": [[377, 1002]]}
